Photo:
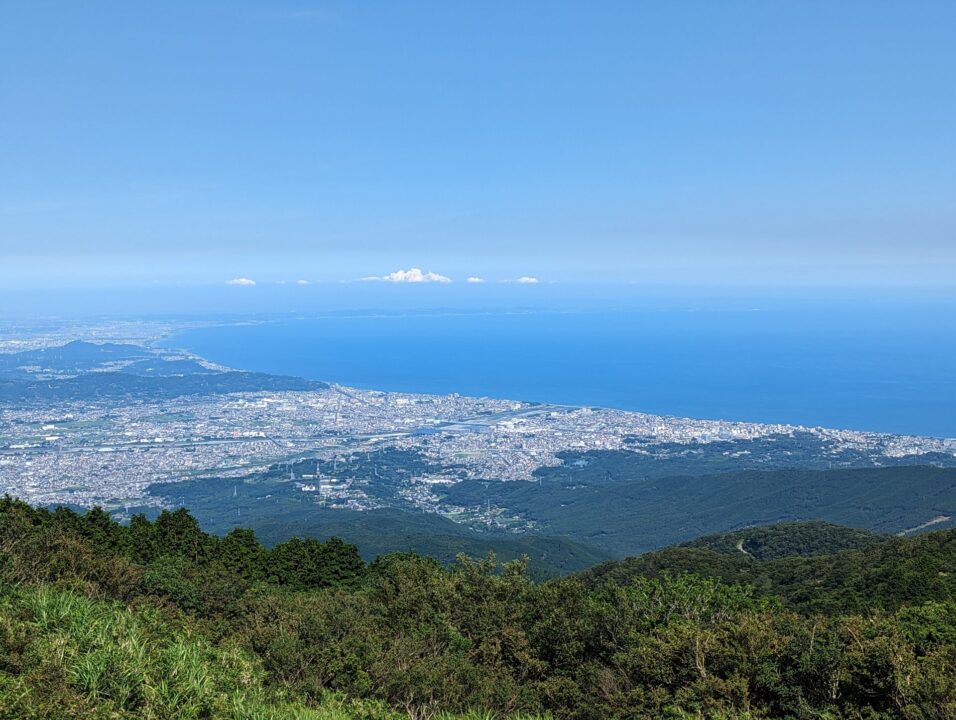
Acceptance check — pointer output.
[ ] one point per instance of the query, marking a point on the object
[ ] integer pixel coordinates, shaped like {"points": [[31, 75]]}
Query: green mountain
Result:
{"points": [[604, 505], [111, 371], [581, 522], [277, 512], [887, 573], [789, 539], [73, 357], [158, 619]]}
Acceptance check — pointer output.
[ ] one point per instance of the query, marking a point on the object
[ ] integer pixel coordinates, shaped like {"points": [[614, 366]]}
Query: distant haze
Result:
{"points": [[731, 143]]}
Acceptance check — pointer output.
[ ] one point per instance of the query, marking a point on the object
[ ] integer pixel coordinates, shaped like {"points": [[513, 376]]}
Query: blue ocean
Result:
{"points": [[889, 367]]}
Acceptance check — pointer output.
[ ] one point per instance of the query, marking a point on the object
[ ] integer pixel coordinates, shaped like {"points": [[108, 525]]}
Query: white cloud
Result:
{"points": [[302, 282], [527, 280], [241, 281], [475, 280], [412, 275]]}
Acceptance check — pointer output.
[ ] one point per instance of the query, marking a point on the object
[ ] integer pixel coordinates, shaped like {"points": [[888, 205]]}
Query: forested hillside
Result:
{"points": [[277, 510], [790, 539], [887, 574], [160, 620], [613, 504]]}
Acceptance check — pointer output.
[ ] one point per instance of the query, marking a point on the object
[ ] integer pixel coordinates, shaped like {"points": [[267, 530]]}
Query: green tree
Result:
{"points": [[178, 533]]}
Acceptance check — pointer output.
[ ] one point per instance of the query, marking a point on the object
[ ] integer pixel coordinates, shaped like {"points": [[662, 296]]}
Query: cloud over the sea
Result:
{"points": [[474, 280], [241, 281], [412, 275]]}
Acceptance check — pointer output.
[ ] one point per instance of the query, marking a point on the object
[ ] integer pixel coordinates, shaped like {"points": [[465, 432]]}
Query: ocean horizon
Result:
{"points": [[849, 367]]}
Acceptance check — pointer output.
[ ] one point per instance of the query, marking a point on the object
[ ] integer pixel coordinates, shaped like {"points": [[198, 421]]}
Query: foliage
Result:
{"points": [[160, 620], [888, 575], [614, 501], [277, 510], [770, 542]]}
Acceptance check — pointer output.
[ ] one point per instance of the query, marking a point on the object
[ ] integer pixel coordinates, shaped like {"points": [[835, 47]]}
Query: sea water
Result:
{"points": [[891, 368]]}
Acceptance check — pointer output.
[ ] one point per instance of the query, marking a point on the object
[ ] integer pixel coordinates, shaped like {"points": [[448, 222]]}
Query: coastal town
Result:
{"points": [[102, 451]]}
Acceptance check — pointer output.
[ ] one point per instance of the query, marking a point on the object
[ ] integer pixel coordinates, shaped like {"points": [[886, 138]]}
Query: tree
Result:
{"points": [[178, 533], [240, 553]]}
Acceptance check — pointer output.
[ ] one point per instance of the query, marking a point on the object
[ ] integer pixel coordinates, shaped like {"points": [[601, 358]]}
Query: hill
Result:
{"points": [[789, 539], [159, 619], [277, 512], [606, 506], [110, 371], [887, 573], [72, 358], [113, 386]]}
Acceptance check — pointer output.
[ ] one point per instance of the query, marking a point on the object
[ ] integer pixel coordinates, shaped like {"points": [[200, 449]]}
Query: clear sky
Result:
{"points": [[753, 142]]}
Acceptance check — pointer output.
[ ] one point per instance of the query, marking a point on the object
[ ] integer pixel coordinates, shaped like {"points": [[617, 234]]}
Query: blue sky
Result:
{"points": [[727, 143]]}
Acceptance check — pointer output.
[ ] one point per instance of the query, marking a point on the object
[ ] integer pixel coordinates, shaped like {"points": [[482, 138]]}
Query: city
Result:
{"points": [[91, 451]]}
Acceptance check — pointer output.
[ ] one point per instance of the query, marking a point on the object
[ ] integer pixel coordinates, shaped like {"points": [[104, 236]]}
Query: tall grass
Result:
{"points": [[125, 663], [63, 655]]}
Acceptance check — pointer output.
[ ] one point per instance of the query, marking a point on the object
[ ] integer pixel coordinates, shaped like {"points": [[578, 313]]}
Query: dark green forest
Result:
{"points": [[594, 507], [610, 502], [157, 619], [789, 539], [278, 511]]}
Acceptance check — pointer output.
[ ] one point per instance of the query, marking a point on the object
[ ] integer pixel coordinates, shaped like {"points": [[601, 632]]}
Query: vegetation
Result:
{"points": [[612, 504], [770, 542], [160, 620], [144, 375], [121, 385], [583, 514], [73, 357], [277, 510], [887, 575]]}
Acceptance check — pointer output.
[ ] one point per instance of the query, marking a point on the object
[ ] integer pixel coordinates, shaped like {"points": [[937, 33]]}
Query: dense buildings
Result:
{"points": [[105, 449]]}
